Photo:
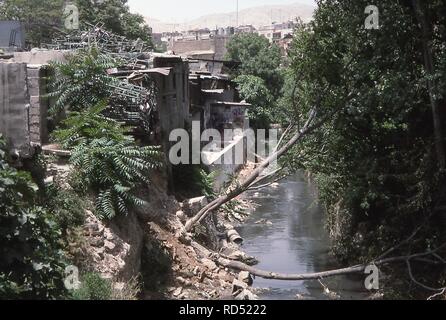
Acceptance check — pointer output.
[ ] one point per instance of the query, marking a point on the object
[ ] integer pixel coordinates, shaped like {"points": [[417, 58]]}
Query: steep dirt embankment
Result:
{"points": [[147, 245]]}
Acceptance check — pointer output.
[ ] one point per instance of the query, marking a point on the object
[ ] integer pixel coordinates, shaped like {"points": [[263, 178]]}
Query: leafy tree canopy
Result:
{"points": [[374, 161], [253, 89], [44, 19], [32, 264], [259, 76], [258, 58]]}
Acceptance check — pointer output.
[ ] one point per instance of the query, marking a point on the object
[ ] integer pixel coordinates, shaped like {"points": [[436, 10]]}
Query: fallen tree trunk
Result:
{"points": [[297, 136], [217, 203], [239, 266]]}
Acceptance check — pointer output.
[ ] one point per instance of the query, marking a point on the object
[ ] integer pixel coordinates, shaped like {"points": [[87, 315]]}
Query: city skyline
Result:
{"points": [[182, 11]]}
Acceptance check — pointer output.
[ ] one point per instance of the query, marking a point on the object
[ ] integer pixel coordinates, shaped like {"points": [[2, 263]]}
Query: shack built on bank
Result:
{"points": [[178, 97]]}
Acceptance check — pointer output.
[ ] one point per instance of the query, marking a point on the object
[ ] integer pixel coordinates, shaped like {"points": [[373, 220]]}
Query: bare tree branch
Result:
{"points": [[267, 184], [308, 128], [263, 178], [437, 294], [236, 265], [409, 268], [283, 136]]}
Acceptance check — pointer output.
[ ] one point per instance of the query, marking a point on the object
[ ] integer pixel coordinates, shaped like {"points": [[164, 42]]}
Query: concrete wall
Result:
{"points": [[220, 47], [173, 102], [173, 95], [229, 117], [14, 107], [23, 111], [224, 171], [38, 110], [39, 56], [217, 45], [183, 46]]}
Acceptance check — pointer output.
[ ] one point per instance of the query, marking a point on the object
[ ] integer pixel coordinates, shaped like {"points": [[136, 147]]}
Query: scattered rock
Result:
{"points": [[331, 294], [119, 286], [192, 206], [177, 291], [240, 291], [181, 215], [213, 293], [238, 286], [264, 221], [184, 238], [184, 282], [245, 277], [171, 289], [240, 256], [246, 295], [202, 276], [183, 296], [376, 296], [209, 264], [109, 246], [223, 283], [96, 242], [187, 274], [49, 180]]}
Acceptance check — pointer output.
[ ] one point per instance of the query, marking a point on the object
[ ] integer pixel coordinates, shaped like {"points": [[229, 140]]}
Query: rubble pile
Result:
{"points": [[97, 35]]}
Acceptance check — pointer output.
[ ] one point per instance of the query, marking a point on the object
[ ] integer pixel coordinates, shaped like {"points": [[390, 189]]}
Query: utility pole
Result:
{"points": [[237, 15]]}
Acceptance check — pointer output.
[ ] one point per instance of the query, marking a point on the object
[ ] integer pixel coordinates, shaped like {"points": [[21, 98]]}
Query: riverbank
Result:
{"points": [[287, 234], [192, 273]]}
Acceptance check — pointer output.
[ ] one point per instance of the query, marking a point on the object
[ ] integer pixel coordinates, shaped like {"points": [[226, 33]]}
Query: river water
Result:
{"points": [[296, 242]]}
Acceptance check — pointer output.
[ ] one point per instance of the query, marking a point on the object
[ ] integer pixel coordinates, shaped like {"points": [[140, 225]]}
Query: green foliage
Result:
{"points": [[258, 58], [113, 169], [32, 259], [156, 265], [289, 104], [44, 19], [107, 161], [193, 181], [259, 77], [253, 89], [94, 287], [116, 17], [68, 208], [89, 125], [206, 183], [374, 160], [81, 82]]}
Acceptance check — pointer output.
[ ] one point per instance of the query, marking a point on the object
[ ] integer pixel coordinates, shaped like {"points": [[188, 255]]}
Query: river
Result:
{"points": [[296, 242]]}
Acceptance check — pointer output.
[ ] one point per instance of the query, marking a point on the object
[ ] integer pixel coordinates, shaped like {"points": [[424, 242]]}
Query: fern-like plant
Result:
{"points": [[88, 125], [206, 183], [82, 81], [113, 169]]}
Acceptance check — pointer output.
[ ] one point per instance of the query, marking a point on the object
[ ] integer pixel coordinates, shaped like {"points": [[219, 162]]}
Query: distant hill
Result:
{"points": [[257, 16]]}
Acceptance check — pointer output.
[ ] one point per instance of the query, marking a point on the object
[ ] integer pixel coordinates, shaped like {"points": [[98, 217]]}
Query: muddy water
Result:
{"points": [[296, 242]]}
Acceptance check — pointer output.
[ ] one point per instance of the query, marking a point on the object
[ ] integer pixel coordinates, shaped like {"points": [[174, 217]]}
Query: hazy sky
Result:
{"points": [[185, 10]]}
